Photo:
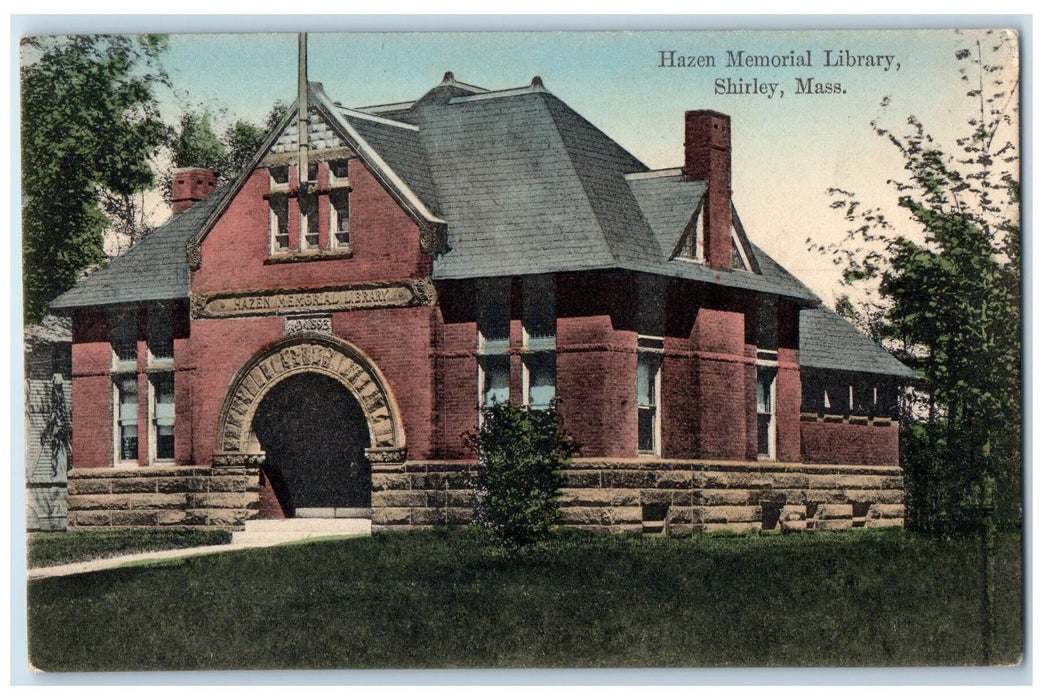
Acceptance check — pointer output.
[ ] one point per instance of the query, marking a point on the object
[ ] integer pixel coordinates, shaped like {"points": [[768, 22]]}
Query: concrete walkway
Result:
{"points": [[258, 533]]}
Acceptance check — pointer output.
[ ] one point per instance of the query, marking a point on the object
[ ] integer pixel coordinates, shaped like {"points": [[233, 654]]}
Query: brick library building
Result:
{"points": [[315, 337]]}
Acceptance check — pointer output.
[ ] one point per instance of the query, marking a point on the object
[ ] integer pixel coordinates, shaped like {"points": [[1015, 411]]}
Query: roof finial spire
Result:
{"points": [[448, 77], [302, 109], [537, 82]]}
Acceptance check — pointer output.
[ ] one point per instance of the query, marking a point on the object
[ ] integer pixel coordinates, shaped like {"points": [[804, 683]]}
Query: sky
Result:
{"points": [[788, 148]]}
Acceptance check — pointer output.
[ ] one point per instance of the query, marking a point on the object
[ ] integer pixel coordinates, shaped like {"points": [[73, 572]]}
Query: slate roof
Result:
{"points": [[827, 341], [526, 186], [154, 269]]}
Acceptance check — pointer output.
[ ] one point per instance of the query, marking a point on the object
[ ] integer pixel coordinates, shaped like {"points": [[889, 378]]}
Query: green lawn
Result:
{"points": [[437, 599], [53, 548]]}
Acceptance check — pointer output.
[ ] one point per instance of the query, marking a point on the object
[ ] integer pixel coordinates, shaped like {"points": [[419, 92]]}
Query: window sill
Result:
{"points": [[293, 256]]}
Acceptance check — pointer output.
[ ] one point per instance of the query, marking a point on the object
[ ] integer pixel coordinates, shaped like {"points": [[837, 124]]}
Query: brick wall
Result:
{"points": [[385, 242], [849, 442]]}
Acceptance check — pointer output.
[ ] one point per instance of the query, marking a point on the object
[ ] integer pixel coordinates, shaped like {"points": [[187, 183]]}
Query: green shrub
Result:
{"points": [[521, 453]]}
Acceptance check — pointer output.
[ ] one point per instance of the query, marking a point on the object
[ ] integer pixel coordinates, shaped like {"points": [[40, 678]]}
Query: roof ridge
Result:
{"points": [[535, 86]]}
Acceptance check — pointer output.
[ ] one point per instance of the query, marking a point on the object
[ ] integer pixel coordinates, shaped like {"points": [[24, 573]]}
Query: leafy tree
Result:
{"points": [[196, 145], [89, 126], [242, 141], [949, 285], [521, 453]]}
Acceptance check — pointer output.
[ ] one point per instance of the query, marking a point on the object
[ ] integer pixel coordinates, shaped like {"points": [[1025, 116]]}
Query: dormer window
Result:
{"points": [[690, 247]]}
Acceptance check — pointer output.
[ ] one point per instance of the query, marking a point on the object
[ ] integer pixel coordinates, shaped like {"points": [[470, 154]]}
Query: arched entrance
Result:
{"points": [[314, 436], [322, 412]]}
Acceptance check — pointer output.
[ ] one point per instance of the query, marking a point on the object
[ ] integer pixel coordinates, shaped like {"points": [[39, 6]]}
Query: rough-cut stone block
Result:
{"points": [[748, 480], [833, 511], [886, 522], [390, 482], [728, 514], [429, 516], [682, 499], [81, 518], [788, 480], [739, 527], [222, 517], [89, 486], [133, 518], [171, 517], [236, 483], [100, 501], [134, 485], [391, 516], [886, 511], [833, 524], [629, 479], [673, 480], [617, 515], [711, 480], [188, 484], [459, 499], [147, 501], [817, 496], [216, 500], [722, 497], [584, 480], [403, 499], [582, 516]]}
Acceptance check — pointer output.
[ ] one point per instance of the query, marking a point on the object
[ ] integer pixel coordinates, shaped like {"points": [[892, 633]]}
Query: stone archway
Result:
{"points": [[236, 444]]}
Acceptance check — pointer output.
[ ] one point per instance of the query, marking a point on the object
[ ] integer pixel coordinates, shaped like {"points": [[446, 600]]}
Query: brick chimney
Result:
{"points": [[192, 185], [708, 156]]}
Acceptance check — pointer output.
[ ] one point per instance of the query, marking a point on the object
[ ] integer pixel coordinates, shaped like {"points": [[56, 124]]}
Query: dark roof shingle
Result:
{"points": [[827, 341], [154, 269]]}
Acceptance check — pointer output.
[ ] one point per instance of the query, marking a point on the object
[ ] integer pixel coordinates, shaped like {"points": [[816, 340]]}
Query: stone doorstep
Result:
{"points": [[261, 532]]}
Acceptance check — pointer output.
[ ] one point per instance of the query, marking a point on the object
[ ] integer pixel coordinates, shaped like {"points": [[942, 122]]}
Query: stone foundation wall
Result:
{"points": [[674, 497], [422, 494], [194, 497], [606, 495]]}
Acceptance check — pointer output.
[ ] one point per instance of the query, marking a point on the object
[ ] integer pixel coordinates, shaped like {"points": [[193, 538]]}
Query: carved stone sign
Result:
{"points": [[308, 324], [293, 355], [374, 295]]}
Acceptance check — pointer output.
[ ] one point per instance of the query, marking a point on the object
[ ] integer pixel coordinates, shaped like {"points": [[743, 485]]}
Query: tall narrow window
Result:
{"points": [[492, 299], [163, 415], [649, 369], [539, 341], [127, 417], [280, 222], [766, 411], [125, 339], [339, 216], [160, 335], [309, 204]]}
